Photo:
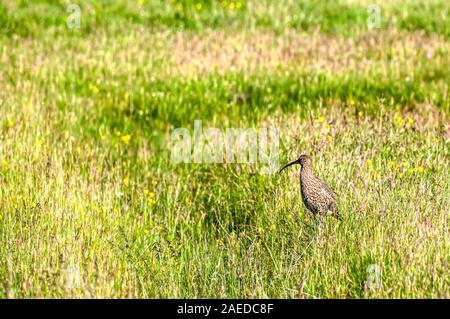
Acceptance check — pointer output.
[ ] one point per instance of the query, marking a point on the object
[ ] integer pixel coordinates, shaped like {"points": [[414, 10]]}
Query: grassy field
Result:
{"points": [[91, 204]]}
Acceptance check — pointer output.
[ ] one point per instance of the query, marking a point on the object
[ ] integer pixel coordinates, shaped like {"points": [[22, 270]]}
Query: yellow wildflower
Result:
{"points": [[126, 181], [95, 89], [224, 4], [198, 6], [238, 5], [145, 192], [117, 133], [141, 2], [232, 6], [10, 123], [151, 197], [420, 169], [5, 163], [321, 119], [360, 113], [126, 138], [410, 120], [399, 120]]}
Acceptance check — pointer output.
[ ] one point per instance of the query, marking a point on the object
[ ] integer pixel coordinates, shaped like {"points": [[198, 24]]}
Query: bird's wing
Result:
{"points": [[327, 191]]}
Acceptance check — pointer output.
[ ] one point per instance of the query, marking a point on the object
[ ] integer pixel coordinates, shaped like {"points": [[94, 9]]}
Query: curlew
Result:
{"points": [[318, 198]]}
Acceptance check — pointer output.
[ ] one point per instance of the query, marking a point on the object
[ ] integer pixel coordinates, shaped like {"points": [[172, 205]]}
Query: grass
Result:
{"points": [[92, 206]]}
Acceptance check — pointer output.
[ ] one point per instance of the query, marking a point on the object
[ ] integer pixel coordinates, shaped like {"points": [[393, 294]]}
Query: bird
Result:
{"points": [[318, 198]]}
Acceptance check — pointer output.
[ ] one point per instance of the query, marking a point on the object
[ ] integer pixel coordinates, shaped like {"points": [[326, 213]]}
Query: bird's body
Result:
{"points": [[316, 195]]}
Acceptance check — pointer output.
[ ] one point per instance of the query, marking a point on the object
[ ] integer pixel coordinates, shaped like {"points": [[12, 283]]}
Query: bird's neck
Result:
{"points": [[306, 170], [306, 176]]}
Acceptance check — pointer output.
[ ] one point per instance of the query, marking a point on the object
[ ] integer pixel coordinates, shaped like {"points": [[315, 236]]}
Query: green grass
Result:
{"points": [[92, 206], [27, 18]]}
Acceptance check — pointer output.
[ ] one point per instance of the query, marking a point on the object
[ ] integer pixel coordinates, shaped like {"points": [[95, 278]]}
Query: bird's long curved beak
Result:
{"points": [[287, 165]]}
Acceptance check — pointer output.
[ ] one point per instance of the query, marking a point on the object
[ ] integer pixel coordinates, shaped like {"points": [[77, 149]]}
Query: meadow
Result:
{"points": [[91, 205]]}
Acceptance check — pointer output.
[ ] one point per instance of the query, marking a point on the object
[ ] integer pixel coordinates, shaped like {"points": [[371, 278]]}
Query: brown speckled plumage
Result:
{"points": [[316, 195]]}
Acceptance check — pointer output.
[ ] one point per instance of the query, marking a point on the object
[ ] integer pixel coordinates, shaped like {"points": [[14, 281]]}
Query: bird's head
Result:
{"points": [[303, 160]]}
